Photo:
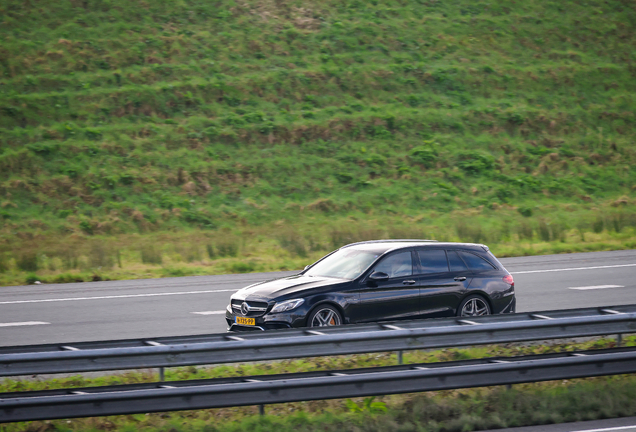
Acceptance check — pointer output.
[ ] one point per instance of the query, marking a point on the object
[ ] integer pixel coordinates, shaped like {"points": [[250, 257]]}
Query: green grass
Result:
{"points": [[282, 246], [499, 122], [444, 411]]}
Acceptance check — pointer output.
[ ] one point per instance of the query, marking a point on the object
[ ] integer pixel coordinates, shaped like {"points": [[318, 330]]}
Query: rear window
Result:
{"points": [[433, 261], [476, 262], [456, 263]]}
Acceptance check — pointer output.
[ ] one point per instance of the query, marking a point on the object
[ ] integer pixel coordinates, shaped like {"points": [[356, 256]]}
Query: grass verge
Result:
{"points": [[445, 411], [290, 244]]}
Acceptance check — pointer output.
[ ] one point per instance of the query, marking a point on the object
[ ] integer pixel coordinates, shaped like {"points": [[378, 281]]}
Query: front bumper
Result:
{"points": [[233, 327], [295, 318]]}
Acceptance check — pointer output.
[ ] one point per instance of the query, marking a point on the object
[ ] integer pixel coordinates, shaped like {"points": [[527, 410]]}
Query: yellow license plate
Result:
{"points": [[245, 321]]}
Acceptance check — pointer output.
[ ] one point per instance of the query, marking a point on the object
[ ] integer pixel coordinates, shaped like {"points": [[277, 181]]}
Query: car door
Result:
{"points": [[392, 299], [443, 279]]}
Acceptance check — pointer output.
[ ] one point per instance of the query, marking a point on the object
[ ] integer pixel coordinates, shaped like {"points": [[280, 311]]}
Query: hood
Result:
{"points": [[298, 285]]}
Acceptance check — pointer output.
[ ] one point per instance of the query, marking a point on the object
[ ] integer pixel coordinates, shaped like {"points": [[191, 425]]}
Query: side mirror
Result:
{"points": [[376, 277]]}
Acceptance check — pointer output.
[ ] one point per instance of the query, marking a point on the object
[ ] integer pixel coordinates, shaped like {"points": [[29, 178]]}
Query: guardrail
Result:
{"points": [[294, 343], [224, 392]]}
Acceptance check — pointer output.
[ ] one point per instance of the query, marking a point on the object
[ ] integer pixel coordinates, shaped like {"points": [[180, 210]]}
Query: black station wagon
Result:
{"points": [[379, 281]]}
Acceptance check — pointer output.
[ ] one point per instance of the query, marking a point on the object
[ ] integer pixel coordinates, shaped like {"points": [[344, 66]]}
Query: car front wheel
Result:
{"points": [[324, 316]]}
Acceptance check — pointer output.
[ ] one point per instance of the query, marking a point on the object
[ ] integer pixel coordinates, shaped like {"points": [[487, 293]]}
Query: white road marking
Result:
{"points": [[572, 269], [116, 296], [26, 323], [221, 312], [234, 290], [593, 287], [608, 429]]}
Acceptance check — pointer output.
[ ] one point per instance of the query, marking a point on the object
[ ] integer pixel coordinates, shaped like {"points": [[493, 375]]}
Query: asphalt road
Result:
{"points": [[195, 305]]}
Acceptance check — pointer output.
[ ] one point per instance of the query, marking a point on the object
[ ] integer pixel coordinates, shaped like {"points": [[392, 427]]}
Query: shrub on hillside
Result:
{"points": [[198, 218], [476, 162], [293, 242], [242, 267], [28, 262], [425, 155], [151, 255], [100, 257], [4, 264], [227, 247]]}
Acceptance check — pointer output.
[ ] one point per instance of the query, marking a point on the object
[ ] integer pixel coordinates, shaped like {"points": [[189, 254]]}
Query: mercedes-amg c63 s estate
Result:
{"points": [[377, 281]]}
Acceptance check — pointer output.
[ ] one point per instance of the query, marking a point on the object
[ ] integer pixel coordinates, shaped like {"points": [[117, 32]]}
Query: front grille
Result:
{"points": [[251, 303], [257, 308]]}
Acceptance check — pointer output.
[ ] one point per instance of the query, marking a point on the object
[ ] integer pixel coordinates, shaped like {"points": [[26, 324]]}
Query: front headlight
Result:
{"points": [[287, 305]]}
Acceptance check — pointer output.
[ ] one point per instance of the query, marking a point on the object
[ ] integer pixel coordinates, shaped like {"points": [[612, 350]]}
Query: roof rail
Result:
{"points": [[387, 241]]}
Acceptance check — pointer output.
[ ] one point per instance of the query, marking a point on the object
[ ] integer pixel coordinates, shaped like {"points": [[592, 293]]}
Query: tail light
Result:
{"points": [[509, 280]]}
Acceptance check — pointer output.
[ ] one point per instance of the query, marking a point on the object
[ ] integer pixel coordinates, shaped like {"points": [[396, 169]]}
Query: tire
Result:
{"points": [[324, 316], [474, 305]]}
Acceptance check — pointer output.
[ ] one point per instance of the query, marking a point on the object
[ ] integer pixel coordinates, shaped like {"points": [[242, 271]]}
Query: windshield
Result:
{"points": [[344, 264]]}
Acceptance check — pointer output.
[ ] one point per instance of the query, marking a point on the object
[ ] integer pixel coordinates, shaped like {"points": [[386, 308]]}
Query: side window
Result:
{"points": [[476, 262], [456, 263], [433, 260], [396, 265]]}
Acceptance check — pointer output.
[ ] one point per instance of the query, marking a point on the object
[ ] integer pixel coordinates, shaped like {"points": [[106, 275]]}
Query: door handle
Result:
{"points": [[460, 278], [408, 282]]}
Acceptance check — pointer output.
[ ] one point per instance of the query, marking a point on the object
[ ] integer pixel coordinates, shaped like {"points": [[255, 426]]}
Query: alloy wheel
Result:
{"points": [[325, 317], [475, 307]]}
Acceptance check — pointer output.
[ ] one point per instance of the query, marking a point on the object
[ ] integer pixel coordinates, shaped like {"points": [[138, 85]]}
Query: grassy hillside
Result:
{"points": [[296, 126]]}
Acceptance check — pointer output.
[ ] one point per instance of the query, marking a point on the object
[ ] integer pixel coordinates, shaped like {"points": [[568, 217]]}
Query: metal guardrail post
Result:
{"points": [[261, 409], [400, 360], [162, 374]]}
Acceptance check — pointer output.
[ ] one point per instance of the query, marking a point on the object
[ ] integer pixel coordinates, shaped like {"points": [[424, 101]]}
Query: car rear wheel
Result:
{"points": [[474, 306], [324, 316]]}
